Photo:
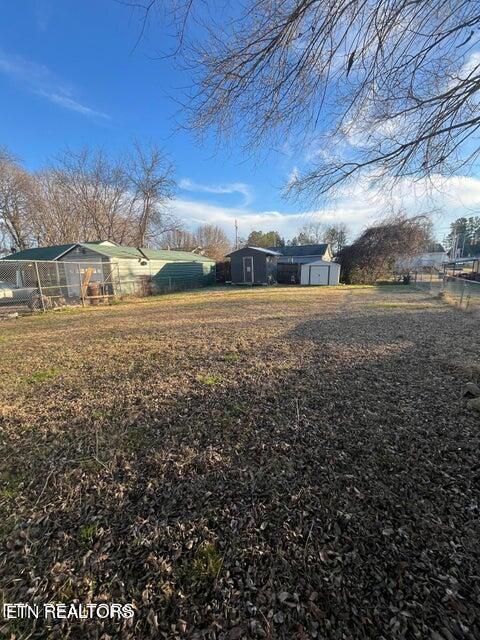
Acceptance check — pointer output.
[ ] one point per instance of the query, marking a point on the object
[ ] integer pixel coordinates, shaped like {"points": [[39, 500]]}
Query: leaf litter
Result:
{"points": [[322, 483]]}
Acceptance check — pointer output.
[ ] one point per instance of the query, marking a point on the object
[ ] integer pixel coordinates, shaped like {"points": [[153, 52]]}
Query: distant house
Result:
{"points": [[129, 266], [302, 254], [432, 259], [256, 265]]}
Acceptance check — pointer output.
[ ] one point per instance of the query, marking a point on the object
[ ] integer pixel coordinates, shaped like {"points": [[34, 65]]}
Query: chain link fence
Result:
{"points": [[464, 292], [27, 286], [431, 281]]}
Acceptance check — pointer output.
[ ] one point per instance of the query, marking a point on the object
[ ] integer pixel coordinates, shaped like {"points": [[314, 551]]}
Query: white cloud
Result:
{"points": [[42, 13], [234, 187], [293, 176], [40, 80], [359, 206], [470, 65], [194, 213], [73, 105]]}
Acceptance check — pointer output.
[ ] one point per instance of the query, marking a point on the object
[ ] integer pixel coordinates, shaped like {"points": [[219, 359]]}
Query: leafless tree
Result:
{"points": [[179, 239], [58, 218], [213, 241], [124, 200], [373, 254], [17, 202], [97, 189], [208, 240], [390, 88], [309, 233], [86, 195], [150, 178]]}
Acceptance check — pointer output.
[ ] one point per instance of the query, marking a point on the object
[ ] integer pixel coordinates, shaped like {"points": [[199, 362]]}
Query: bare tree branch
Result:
{"points": [[382, 87]]}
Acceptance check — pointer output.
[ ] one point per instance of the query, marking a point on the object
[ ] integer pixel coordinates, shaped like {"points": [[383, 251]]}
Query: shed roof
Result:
{"points": [[41, 253], [326, 263], [302, 250], [108, 249], [167, 254], [112, 250], [270, 252]]}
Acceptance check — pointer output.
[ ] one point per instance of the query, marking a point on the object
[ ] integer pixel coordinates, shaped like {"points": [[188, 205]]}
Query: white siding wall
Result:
{"points": [[320, 272]]}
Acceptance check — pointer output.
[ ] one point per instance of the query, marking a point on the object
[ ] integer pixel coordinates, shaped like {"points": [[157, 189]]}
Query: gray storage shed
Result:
{"points": [[253, 265]]}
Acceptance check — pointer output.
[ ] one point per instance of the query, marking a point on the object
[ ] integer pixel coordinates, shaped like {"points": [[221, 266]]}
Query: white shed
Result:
{"points": [[320, 272]]}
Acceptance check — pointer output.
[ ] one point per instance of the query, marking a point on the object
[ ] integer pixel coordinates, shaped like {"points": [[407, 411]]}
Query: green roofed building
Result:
{"points": [[128, 268]]}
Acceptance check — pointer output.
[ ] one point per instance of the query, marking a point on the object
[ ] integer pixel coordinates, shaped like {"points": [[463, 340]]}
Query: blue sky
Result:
{"points": [[70, 75]]}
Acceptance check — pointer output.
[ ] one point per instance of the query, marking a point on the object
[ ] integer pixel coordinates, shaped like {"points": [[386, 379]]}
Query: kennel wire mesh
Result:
{"points": [[466, 293], [43, 285]]}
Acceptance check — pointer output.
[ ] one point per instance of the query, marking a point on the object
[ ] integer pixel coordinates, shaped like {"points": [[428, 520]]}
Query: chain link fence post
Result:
{"points": [[119, 280], [39, 284], [80, 284]]}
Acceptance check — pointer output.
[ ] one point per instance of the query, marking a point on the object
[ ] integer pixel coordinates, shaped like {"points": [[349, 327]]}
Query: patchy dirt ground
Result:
{"points": [[284, 463]]}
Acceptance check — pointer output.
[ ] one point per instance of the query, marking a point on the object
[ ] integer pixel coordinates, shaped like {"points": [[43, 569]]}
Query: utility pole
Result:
{"points": [[236, 234], [454, 246]]}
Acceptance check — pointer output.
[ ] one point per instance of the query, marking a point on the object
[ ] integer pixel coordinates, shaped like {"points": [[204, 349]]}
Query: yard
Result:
{"points": [[269, 463]]}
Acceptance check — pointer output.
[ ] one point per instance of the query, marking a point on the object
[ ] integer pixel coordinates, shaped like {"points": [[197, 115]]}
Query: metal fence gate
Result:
{"points": [[27, 285]]}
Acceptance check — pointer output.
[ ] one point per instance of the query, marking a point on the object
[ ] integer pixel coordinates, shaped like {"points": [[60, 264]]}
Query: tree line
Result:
{"points": [[464, 237], [85, 195], [313, 232]]}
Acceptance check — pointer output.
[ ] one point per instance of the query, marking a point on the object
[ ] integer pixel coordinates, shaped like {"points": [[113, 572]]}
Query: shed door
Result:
{"points": [[72, 277], [248, 269], [319, 274]]}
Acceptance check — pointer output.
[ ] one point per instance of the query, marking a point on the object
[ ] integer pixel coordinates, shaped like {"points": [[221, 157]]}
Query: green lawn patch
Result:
{"points": [[41, 376], [210, 379]]}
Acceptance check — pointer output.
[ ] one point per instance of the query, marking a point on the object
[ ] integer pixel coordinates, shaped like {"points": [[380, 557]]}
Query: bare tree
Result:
{"points": [[124, 200], [213, 241], [309, 233], [58, 219], [373, 254], [97, 188], [392, 86], [151, 182], [180, 240], [17, 202]]}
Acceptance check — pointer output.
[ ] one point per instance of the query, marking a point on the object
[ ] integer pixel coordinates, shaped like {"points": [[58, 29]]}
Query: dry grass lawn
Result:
{"points": [[270, 463]]}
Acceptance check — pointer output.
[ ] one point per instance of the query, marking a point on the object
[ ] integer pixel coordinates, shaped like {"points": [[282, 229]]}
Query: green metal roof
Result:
{"points": [[112, 250], [121, 251], [108, 250], [41, 253], [165, 254]]}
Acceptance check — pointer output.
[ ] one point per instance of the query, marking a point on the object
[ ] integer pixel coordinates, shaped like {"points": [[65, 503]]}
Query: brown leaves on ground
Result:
{"points": [[282, 463]]}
